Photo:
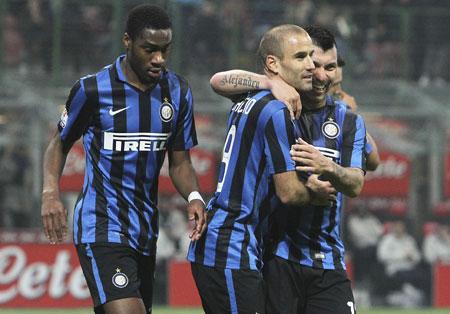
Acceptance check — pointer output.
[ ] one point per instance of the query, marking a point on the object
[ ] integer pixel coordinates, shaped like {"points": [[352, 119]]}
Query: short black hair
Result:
{"points": [[321, 37], [340, 61], [146, 16]]}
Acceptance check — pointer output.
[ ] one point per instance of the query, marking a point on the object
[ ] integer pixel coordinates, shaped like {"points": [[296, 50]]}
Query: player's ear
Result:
{"points": [[272, 64], [126, 40]]}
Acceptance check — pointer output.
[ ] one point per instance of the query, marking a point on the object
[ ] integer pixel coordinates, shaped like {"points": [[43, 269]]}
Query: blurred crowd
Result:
{"points": [[390, 265], [403, 38]]}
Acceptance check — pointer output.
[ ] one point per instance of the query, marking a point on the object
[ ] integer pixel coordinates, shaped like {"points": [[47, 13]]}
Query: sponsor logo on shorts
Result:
{"points": [[119, 279]]}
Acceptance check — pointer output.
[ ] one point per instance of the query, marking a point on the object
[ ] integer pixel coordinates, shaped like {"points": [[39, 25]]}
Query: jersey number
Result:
{"points": [[226, 154]]}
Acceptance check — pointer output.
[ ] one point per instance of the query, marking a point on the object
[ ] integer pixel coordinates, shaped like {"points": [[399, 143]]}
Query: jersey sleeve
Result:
{"points": [[76, 116], [368, 148], [279, 137], [185, 134], [354, 142]]}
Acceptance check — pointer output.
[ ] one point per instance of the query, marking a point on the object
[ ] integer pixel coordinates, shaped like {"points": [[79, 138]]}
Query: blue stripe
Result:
{"points": [[211, 237], [230, 286], [235, 246], [358, 145], [98, 282]]}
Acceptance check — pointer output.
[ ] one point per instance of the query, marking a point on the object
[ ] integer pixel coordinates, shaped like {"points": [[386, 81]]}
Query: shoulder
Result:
{"points": [[177, 80]]}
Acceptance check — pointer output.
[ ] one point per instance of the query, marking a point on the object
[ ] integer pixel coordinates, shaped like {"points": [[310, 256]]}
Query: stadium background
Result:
{"points": [[397, 55]]}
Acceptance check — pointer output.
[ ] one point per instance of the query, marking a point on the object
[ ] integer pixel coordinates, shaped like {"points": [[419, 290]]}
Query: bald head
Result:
{"points": [[275, 40]]}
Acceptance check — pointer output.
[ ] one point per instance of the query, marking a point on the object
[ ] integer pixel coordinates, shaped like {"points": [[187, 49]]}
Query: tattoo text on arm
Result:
{"points": [[237, 80]]}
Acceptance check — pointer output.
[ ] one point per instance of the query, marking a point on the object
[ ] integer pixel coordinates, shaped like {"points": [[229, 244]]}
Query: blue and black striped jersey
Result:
{"points": [[126, 133], [311, 235], [259, 136]]}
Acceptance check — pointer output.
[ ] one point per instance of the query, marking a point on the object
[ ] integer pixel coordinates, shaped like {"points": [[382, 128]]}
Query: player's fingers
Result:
{"points": [[51, 229], [46, 227]]}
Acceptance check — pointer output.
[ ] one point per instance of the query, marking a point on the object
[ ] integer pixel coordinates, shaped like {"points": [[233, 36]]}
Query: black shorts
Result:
{"points": [[294, 288], [225, 291], [116, 271]]}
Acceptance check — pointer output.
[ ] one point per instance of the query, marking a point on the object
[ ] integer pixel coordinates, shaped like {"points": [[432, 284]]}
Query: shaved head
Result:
{"points": [[274, 40]]}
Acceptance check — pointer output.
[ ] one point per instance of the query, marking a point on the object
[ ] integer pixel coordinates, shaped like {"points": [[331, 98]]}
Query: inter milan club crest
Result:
{"points": [[120, 280], [331, 129], [166, 111]]}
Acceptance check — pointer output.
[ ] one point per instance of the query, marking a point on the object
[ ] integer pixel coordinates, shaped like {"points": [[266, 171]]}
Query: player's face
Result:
{"points": [[325, 63], [296, 66], [148, 52]]}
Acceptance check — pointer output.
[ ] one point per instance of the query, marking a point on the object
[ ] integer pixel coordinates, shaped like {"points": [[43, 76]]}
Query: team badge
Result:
{"points": [[166, 111], [120, 280], [63, 119], [331, 129]]}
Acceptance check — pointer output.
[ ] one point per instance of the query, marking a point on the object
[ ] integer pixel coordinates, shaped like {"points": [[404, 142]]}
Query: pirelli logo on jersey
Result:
{"points": [[330, 153], [135, 141]]}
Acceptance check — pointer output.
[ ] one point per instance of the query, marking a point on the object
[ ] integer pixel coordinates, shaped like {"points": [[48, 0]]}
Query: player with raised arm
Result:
{"points": [[256, 167], [304, 267], [129, 114]]}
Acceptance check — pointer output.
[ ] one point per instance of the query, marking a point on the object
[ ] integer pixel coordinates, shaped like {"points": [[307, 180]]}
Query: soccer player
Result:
{"points": [[129, 114], [304, 269], [256, 167], [371, 148]]}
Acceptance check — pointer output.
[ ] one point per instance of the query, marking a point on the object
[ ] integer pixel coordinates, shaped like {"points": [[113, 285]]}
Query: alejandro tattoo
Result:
{"points": [[236, 80]]}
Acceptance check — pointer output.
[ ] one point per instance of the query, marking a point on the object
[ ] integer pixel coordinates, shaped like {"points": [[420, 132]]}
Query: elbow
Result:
{"points": [[293, 197], [215, 81]]}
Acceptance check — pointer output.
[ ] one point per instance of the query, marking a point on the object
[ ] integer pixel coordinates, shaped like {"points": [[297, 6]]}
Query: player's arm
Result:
{"points": [[372, 158], [54, 215], [185, 181], [236, 82], [347, 180], [279, 136]]}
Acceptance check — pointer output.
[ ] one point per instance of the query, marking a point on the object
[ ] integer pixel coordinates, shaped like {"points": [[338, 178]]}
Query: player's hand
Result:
{"points": [[287, 94], [310, 159], [323, 193], [54, 218], [197, 214]]}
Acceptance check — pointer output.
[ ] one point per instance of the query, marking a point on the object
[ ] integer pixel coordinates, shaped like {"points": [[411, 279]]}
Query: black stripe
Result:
{"points": [[275, 149], [118, 157], [314, 233], [235, 198], [294, 217], [166, 128], [101, 217], [140, 174], [264, 211], [349, 130], [332, 143], [72, 94], [84, 117], [81, 196]]}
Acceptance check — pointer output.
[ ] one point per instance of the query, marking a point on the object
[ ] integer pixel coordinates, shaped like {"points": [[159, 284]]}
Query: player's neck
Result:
{"points": [[313, 104], [132, 77]]}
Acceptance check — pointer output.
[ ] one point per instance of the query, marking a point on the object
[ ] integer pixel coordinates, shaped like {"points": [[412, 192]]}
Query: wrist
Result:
{"points": [[195, 195]]}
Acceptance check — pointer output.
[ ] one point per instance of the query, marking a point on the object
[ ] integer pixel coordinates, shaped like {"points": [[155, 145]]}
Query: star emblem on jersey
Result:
{"points": [[331, 129], [119, 279], [166, 111]]}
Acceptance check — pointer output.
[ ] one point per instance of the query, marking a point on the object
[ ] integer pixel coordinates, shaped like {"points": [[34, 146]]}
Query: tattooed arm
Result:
{"points": [[237, 82]]}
